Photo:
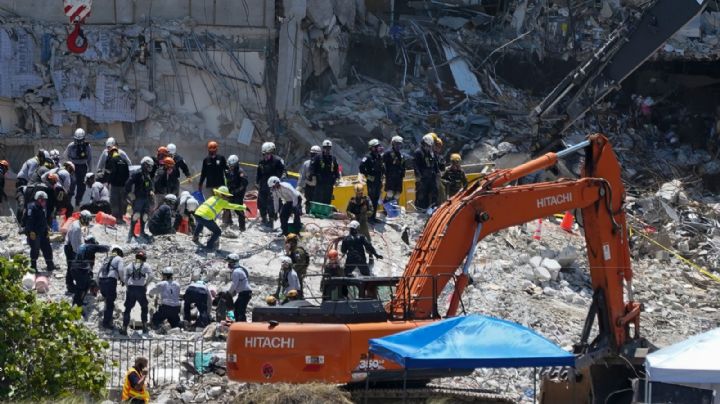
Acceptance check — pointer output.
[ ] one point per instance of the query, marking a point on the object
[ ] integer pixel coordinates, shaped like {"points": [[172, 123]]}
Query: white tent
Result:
{"points": [[694, 362]]}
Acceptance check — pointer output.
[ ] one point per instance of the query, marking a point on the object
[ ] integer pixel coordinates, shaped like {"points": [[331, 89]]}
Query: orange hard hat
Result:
{"points": [[333, 254], [5, 164], [212, 146], [168, 162], [162, 151], [53, 178]]}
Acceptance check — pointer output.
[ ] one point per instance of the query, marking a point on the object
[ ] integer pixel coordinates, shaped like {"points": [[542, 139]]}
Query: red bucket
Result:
{"points": [[105, 219], [250, 208]]}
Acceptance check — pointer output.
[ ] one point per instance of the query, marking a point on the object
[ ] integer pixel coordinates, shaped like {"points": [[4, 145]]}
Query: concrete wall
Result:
{"points": [[236, 13]]}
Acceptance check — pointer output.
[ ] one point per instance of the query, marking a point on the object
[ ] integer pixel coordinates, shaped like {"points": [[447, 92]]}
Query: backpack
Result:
{"points": [[119, 170], [137, 272], [106, 268]]}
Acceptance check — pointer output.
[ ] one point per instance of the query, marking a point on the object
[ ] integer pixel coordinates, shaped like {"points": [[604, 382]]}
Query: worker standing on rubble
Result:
{"points": [[300, 258], [61, 198], [325, 171], [73, 241], [269, 166], [158, 160], [198, 294], [426, 172], [110, 144], [186, 207], [288, 281], [359, 208], [38, 232], [108, 276], [373, 168], [82, 268], [23, 179], [139, 189], [237, 183], [99, 196], [134, 390], [169, 292], [240, 286], [162, 221], [180, 163], [62, 187], [137, 276], [306, 185], [213, 170], [454, 177], [287, 201], [331, 269], [116, 173], [37, 183], [394, 162], [167, 181], [80, 153], [354, 246], [208, 212]]}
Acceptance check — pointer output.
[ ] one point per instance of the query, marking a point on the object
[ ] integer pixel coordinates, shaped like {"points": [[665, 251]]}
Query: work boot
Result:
{"points": [[123, 330], [145, 329]]}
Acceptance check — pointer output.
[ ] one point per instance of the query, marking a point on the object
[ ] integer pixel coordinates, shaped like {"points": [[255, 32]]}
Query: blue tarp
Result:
{"points": [[470, 342]]}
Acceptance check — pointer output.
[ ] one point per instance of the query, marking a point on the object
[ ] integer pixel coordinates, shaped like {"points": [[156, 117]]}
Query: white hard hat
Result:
{"points": [[315, 149], [40, 195], [89, 175], [147, 160], [428, 140], [285, 260], [233, 159], [272, 181], [326, 143], [354, 224], [46, 154], [79, 134], [184, 194], [373, 143], [232, 258], [86, 216], [192, 204], [397, 139], [171, 148], [268, 147], [54, 153], [110, 142], [69, 164], [167, 271], [170, 198]]}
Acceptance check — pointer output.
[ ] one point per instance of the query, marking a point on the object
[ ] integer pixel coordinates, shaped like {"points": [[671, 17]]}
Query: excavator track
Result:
{"points": [[427, 394]]}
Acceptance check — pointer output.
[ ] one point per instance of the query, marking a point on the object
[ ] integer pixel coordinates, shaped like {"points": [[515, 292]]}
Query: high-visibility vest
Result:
{"points": [[128, 392], [210, 209]]}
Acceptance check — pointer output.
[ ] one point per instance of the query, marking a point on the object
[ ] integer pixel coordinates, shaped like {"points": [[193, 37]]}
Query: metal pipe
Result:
{"points": [[573, 149]]}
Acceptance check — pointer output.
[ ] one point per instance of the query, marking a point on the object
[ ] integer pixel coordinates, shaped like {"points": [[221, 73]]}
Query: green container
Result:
{"points": [[321, 210]]}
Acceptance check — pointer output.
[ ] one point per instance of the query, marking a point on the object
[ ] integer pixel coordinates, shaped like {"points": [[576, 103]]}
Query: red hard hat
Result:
{"points": [[212, 146], [53, 178], [168, 162], [332, 254], [5, 164], [162, 151]]}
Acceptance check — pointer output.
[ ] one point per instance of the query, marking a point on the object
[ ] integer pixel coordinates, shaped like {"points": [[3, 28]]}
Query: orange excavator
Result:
{"points": [[301, 342]]}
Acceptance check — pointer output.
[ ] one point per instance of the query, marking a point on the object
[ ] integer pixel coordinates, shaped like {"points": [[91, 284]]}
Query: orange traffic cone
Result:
{"points": [[184, 226], [136, 230], [567, 222], [538, 230]]}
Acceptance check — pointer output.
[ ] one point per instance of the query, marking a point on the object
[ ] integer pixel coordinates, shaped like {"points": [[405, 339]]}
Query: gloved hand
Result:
{"points": [[33, 235], [378, 256], [131, 196]]}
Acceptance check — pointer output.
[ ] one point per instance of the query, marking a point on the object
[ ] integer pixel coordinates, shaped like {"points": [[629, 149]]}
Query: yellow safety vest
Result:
{"points": [[128, 392], [211, 208]]}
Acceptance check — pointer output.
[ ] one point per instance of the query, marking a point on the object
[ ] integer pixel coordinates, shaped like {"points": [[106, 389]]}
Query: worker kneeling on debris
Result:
{"points": [[162, 220], [208, 212], [169, 292], [134, 390], [198, 294], [288, 281]]}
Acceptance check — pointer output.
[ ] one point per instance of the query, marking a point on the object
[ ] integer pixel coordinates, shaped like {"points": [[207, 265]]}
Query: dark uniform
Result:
{"points": [[237, 184], [137, 277], [301, 261], [373, 169], [80, 154], [274, 166], [167, 183], [197, 293], [394, 162], [107, 281], [162, 221], [141, 185], [358, 209], [454, 180], [181, 165], [326, 171], [213, 173], [81, 269], [36, 230], [426, 171], [354, 247]]}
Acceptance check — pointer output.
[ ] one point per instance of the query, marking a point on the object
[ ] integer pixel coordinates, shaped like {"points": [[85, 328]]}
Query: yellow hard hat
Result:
{"points": [[271, 300], [358, 188], [436, 139], [455, 157], [291, 237]]}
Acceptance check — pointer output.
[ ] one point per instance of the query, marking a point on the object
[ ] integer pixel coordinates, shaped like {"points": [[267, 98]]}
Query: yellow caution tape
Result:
{"points": [[677, 254], [189, 179], [289, 173]]}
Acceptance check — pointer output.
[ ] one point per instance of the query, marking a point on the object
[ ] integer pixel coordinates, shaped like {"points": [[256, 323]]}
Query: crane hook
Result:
{"points": [[76, 41]]}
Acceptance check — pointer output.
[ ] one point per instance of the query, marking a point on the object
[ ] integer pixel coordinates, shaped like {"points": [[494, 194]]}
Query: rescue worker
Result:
{"points": [[73, 241], [186, 207], [300, 258], [394, 162], [354, 246], [213, 170], [287, 201], [137, 277], [454, 177], [325, 171], [169, 292], [167, 180], [37, 231], [359, 208], [26, 194], [331, 269], [30, 166], [116, 172], [240, 286], [82, 268], [99, 196], [62, 200], [70, 168], [198, 294], [373, 168], [269, 166], [159, 158], [306, 185], [134, 384], [139, 189], [162, 221], [62, 193], [237, 183], [180, 163], [110, 144], [426, 171], [80, 154], [108, 275], [288, 281], [4, 168], [55, 157], [438, 151], [207, 213]]}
